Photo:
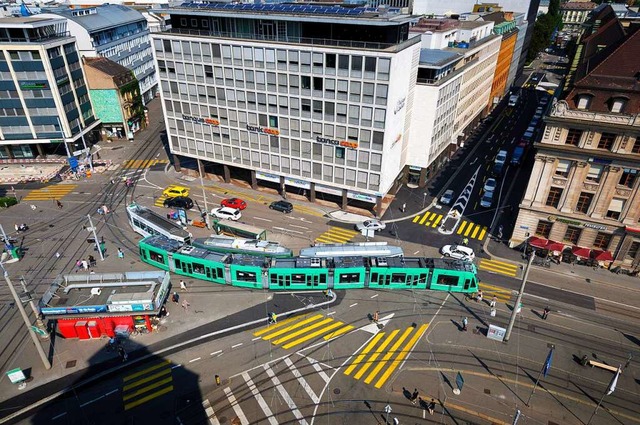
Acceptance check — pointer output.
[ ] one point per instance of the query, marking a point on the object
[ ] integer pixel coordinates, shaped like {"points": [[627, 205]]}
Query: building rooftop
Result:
{"points": [[99, 18], [438, 58], [585, 5], [107, 66], [27, 22]]}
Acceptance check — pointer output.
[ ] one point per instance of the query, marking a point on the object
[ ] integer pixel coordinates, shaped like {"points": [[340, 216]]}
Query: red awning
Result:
{"points": [[601, 255], [538, 242], [630, 229], [555, 246], [581, 252]]}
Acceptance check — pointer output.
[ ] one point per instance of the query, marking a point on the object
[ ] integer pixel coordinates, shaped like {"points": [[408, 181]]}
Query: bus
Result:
{"points": [[240, 230], [148, 223]]}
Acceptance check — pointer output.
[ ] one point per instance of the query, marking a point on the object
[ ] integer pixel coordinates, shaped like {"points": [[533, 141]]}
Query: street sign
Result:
{"points": [[387, 409], [39, 331], [16, 376], [496, 332]]}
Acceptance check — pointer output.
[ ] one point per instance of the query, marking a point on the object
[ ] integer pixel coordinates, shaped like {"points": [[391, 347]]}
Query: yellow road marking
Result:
{"points": [[144, 371], [461, 228], [301, 331], [424, 218], [404, 353], [312, 335], [364, 353], [481, 237], [141, 391], [494, 288], [435, 223], [416, 218], [338, 332], [376, 353], [469, 227], [275, 326], [292, 327], [387, 356], [145, 380], [475, 232], [147, 398]]}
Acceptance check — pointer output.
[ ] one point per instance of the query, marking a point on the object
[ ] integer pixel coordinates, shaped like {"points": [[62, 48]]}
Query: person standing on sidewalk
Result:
{"points": [[376, 316], [414, 396], [464, 323], [432, 406], [183, 285], [545, 313], [404, 207]]}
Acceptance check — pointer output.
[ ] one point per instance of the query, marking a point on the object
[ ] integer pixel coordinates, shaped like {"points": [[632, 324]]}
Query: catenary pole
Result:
{"points": [[95, 237], [514, 312]]}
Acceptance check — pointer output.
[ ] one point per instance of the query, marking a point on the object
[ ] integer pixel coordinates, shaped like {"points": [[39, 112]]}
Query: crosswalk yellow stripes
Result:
{"points": [[428, 219], [495, 266], [143, 163], [502, 294], [159, 202], [50, 193], [336, 235], [472, 230], [297, 330], [147, 384], [391, 358]]}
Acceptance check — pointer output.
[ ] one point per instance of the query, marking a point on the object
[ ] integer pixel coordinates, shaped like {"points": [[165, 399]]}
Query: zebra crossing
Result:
{"points": [[500, 267], [428, 219], [471, 230], [336, 235], [50, 193], [159, 202], [143, 163], [147, 384], [502, 294], [297, 330]]}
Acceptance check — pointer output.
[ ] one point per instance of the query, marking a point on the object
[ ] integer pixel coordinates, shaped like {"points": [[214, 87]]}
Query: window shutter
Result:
{"points": [[616, 205]]}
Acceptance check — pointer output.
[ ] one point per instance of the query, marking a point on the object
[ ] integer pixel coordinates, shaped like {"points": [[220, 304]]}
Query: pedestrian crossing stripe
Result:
{"points": [[143, 163], [395, 351], [159, 202], [472, 230], [502, 294], [429, 219], [336, 235], [50, 192], [495, 266], [294, 331], [147, 384]]}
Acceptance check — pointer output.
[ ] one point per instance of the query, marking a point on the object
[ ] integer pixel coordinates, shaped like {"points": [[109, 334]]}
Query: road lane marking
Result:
{"points": [[237, 345], [273, 326], [256, 394], [388, 355], [288, 230], [376, 295], [144, 371], [364, 353], [236, 407], [216, 352], [292, 327], [303, 382], [145, 380], [312, 335], [148, 398], [285, 395], [404, 353], [353, 305], [195, 360], [303, 330], [376, 353], [316, 366], [211, 414], [263, 219], [339, 332], [58, 416], [141, 391]]}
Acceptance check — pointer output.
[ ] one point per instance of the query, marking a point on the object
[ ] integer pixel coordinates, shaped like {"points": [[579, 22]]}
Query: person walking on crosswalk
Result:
{"points": [[494, 301]]}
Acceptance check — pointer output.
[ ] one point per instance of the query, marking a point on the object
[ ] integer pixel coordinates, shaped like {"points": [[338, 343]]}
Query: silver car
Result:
{"points": [[447, 197], [372, 224]]}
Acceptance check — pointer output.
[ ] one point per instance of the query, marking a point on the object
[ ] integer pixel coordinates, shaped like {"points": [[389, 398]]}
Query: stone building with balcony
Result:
{"points": [[584, 189]]}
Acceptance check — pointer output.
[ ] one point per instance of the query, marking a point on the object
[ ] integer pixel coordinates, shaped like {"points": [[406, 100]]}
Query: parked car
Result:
{"points": [[497, 169], [487, 200], [235, 203], [179, 202], [283, 206], [375, 225], [226, 213], [458, 252], [175, 190], [447, 197], [502, 156], [490, 185]]}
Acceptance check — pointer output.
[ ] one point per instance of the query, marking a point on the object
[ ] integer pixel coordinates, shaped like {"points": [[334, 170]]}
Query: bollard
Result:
{"points": [[217, 380]]}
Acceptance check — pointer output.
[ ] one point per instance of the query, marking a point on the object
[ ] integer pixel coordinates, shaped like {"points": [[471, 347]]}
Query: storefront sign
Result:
{"points": [[577, 223], [16, 376], [297, 183], [329, 190], [334, 142], [264, 130], [496, 332], [130, 307], [199, 120], [74, 310], [399, 105], [414, 168], [56, 141], [361, 196], [268, 177]]}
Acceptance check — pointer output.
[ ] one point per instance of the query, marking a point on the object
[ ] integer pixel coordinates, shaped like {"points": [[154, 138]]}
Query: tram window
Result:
{"points": [[398, 277], [158, 258], [274, 279], [423, 278], [315, 280], [298, 278], [467, 283], [447, 280], [246, 276], [349, 277], [374, 277], [208, 272], [178, 264], [217, 273], [323, 278], [198, 268]]}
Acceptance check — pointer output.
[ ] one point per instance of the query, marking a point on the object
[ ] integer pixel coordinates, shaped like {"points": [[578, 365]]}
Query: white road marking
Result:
{"points": [[178, 365], [236, 407], [213, 419], [302, 381], [256, 394], [353, 305], [263, 219], [299, 227], [416, 252], [254, 339], [237, 345], [331, 314], [288, 230], [195, 360], [374, 328], [216, 352], [58, 416], [316, 366], [285, 395], [374, 296]]}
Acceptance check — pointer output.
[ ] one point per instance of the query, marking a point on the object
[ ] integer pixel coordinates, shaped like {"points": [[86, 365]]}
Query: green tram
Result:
{"points": [[301, 274]]}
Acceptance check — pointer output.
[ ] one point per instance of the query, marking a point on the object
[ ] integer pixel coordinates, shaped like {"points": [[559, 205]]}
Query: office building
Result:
{"points": [[574, 13]]}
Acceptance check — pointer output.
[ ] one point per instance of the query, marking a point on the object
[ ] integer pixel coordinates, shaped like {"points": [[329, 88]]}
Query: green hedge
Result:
{"points": [[7, 201]]}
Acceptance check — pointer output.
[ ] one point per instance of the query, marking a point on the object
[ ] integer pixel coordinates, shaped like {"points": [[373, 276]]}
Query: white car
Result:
{"points": [[490, 185], [226, 213], [375, 225], [447, 197], [458, 252]]}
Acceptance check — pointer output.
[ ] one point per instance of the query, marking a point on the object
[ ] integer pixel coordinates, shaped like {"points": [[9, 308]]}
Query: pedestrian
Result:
{"points": [[479, 296], [494, 301], [59, 204], [120, 253], [175, 297], [329, 293], [431, 406], [163, 312], [274, 318], [185, 305], [183, 286], [414, 396], [465, 241], [78, 265], [396, 421], [404, 207], [376, 316], [545, 313], [85, 265], [92, 261], [464, 323], [122, 353], [519, 308]]}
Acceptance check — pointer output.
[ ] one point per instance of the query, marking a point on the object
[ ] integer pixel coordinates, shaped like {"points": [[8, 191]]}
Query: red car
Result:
{"points": [[235, 203]]}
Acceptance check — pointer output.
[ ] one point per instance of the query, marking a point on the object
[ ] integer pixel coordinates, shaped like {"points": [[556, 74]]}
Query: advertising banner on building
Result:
{"points": [[329, 190], [268, 177], [297, 183], [361, 196]]}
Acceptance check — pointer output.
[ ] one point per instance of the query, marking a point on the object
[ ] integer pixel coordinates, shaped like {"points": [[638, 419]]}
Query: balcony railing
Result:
{"points": [[561, 109]]}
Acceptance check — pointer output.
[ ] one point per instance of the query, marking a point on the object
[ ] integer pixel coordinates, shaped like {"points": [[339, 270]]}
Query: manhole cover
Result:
{"points": [[487, 391], [336, 391], [70, 364]]}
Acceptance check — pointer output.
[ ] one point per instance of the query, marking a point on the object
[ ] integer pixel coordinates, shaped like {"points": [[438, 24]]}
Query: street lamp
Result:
{"points": [[424, 199], [204, 195]]}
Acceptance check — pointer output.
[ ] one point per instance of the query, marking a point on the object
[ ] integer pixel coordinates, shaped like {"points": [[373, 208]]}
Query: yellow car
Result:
{"points": [[175, 190]]}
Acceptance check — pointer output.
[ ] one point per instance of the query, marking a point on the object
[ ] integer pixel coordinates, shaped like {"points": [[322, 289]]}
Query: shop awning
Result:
{"points": [[538, 242], [581, 252], [555, 246], [601, 255], [630, 229]]}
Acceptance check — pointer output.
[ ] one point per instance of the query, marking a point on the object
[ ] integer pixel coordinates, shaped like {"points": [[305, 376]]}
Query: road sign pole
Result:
{"points": [[95, 237], [516, 306]]}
